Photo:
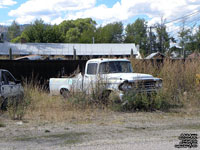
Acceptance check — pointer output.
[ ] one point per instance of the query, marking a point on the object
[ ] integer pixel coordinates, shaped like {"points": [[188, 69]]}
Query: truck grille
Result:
{"points": [[149, 84]]}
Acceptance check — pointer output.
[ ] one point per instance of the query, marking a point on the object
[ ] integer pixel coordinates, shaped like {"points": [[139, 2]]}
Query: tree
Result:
{"points": [[111, 33], [64, 27], [194, 44], [72, 35], [184, 38], [13, 30], [39, 32], [137, 33], [81, 30], [163, 39]]}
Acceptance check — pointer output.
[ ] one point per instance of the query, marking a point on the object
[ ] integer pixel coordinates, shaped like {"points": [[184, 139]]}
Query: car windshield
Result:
{"points": [[115, 67]]}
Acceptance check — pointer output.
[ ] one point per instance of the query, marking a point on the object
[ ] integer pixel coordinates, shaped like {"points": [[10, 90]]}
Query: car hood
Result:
{"points": [[131, 77]]}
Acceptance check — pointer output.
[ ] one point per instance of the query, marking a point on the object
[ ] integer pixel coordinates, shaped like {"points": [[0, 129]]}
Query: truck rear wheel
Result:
{"points": [[65, 93], [104, 98]]}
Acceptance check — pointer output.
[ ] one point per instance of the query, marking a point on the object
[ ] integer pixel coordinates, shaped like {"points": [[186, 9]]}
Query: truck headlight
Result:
{"points": [[159, 84], [125, 86]]}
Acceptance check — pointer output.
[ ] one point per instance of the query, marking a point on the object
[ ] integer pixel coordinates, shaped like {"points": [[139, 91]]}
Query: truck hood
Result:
{"points": [[131, 77]]}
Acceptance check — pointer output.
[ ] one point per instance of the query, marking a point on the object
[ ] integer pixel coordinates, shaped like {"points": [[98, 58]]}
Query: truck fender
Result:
{"points": [[64, 87]]}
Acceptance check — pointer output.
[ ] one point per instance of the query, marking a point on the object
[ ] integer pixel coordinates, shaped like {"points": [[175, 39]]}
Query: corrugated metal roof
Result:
{"points": [[152, 55], [67, 49]]}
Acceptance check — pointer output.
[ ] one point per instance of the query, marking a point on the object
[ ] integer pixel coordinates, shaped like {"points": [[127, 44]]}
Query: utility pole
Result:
{"points": [[150, 36], [150, 39], [74, 53], [93, 40], [10, 54]]}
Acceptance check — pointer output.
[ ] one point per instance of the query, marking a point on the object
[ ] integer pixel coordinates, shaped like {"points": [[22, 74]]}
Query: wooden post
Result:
{"points": [[10, 54], [131, 53], [74, 56]]}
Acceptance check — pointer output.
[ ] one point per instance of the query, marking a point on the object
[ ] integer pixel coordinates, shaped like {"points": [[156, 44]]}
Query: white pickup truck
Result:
{"points": [[9, 87], [116, 75]]}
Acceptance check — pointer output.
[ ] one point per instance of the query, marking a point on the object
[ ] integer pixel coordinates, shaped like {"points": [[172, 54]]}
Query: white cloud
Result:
{"points": [[2, 23], [55, 11], [126, 9], [48, 9], [57, 20], [4, 3]]}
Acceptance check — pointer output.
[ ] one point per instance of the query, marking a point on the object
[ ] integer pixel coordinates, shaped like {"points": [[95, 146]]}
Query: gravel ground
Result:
{"points": [[117, 131]]}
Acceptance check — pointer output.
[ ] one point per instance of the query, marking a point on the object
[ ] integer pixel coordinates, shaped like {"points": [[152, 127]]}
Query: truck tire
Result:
{"points": [[104, 98], [3, 104], [64, 92]]}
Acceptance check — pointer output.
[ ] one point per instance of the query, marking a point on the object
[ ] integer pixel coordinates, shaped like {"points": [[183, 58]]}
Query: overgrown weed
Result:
{"points": [[77, 107], [180, 88]]}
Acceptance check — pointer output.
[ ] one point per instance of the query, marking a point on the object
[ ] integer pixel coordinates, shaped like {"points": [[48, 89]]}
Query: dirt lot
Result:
{"points": [[112, 131]]}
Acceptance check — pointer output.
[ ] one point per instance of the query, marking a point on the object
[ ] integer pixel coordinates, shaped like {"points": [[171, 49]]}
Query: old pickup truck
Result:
{"points": [[116, 75], [9, 88]]}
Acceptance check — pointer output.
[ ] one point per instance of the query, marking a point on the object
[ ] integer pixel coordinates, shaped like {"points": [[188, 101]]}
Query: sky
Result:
{"points": [[102, 11]]}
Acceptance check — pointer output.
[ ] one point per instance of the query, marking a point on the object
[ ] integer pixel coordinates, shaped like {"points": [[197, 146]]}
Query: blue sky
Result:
{"points": [[102, 11]]}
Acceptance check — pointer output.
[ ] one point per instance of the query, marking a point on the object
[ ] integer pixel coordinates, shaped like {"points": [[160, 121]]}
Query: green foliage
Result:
{"points": [[111, 33], [72, 31], [13, 30], [80, 100], [72, 35], [133, 101], [163, 39], [77, 31], [137, 33], [16, 40]]}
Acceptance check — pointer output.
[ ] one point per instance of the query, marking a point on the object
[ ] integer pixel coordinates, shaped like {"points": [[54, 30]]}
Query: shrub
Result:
{"points": [[17, 106], [133, 101]]}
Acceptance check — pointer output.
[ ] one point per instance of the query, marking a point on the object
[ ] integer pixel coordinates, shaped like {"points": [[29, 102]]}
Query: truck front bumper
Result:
{"points": [[147, 91]]}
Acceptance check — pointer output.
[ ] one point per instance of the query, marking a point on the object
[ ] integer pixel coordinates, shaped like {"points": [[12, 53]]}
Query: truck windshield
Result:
{"points": [[115, 67]]}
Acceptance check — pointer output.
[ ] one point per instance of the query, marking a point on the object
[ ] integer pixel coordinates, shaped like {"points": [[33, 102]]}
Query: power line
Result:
{"points": [[187, 24], [184, 17]]}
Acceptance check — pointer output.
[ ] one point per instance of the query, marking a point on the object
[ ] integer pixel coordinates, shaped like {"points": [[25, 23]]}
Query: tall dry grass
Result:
{"points": [[180, 88], [43, 106]]}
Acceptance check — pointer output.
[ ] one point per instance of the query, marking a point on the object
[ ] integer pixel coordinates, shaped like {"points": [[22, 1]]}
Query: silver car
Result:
{"points": [[9, 87]]}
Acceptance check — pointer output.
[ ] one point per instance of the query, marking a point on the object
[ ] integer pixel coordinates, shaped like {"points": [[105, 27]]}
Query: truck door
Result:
{"points": [[15, 88], [6, 89], [90, 77]]}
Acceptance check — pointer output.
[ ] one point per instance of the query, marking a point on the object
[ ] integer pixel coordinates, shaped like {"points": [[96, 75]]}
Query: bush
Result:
{"points": [[17, 107], [133, 101]]}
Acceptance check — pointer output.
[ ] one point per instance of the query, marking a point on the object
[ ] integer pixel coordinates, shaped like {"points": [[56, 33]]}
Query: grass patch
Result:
{"points": [[63, 138], [189, 127], [136, 128], [76, 109], [25, 139], [2, 125]]}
